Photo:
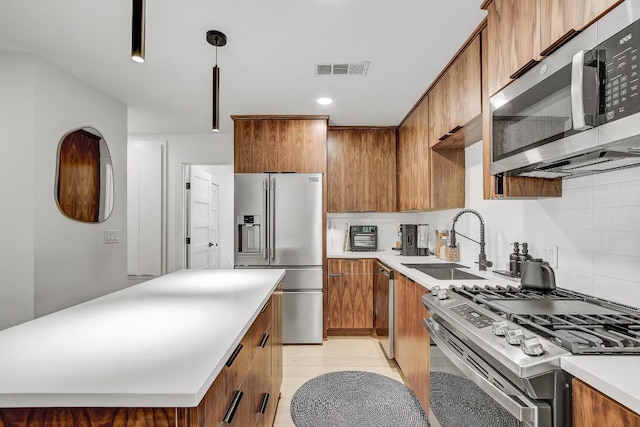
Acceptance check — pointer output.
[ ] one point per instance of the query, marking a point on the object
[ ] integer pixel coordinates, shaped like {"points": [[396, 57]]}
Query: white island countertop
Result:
{"points": [[616, 376], [161, 343]]}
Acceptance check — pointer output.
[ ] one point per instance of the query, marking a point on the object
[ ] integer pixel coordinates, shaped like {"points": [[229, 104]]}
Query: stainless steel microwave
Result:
{"points": [[577, 112]]}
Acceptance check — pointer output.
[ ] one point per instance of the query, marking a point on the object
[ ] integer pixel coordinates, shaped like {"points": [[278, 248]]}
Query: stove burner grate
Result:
{"points": [[579, 323]]}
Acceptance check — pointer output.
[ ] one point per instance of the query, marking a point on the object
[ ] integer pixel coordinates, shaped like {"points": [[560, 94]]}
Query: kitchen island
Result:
{"points": [[160, 344]]}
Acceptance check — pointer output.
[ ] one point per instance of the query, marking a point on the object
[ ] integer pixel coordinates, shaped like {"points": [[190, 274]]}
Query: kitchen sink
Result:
{"points": [[435, 265], [445, 271]]}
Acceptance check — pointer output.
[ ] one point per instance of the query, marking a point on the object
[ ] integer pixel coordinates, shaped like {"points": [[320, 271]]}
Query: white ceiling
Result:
{"points": [[267, 66]]}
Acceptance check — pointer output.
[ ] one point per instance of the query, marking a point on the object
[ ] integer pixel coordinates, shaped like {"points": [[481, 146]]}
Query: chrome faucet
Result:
{"points": [[482, 258]]}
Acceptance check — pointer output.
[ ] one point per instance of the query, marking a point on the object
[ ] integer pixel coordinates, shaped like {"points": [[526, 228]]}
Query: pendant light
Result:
{"points": [[137, 31], [217, 39]]}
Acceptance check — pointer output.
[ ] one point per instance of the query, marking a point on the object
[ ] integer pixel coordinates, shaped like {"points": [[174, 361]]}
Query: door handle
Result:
{"points": [[577, 93]]}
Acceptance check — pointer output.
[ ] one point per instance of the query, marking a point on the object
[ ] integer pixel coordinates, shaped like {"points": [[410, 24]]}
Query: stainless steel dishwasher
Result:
{"points": [[383, 314]]}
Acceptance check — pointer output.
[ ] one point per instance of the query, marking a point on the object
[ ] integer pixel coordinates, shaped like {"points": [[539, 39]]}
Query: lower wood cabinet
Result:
{"points": [[350, 294], [411, 338], [591, 408]]}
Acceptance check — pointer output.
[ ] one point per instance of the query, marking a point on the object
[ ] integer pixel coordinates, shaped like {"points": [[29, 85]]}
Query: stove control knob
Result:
{"points": [[514, 336], [531, 346], [434, 290], [499, 328], [443, 294]]}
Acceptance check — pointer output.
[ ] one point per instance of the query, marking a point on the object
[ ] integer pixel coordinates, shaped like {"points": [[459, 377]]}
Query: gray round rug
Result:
{"points": [[356, 399], [457, 401]]}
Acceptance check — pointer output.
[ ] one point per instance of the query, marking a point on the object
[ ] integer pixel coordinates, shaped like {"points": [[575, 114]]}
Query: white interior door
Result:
{"points": [[214, 257], [199, 218]]}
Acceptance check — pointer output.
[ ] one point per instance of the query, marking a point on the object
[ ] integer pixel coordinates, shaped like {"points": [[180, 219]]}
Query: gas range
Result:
{"points": [[509, 341], [579, 323]]}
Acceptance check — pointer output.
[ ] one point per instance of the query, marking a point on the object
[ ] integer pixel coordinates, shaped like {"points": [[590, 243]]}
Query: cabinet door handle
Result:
{"points": [[443, 137], [336, 274], [233, 356], [265, 338], [524, 69], [231, 411], [263, 406], [455, 129], [265, 307]]}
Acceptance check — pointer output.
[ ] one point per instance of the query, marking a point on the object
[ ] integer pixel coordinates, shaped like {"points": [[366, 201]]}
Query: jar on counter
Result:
{"points": [[441, 236]]}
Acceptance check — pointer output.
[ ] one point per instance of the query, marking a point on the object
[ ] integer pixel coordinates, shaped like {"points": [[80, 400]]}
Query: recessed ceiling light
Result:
{"points": [[324, 101]]}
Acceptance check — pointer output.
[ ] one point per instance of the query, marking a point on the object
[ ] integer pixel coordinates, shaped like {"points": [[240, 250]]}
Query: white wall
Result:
{"points": [[60, 261], [213, 149], [16, 188], [594, 225]]}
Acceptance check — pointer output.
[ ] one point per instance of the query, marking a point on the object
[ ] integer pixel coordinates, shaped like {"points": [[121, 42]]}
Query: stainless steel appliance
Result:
{"points": [[363, 238], [578, 111], [509, 341], [383, 292], [279, 225]]}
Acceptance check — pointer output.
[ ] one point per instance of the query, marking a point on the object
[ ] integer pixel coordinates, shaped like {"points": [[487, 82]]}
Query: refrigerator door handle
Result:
{"points": [[272, 218], [265, 209]]}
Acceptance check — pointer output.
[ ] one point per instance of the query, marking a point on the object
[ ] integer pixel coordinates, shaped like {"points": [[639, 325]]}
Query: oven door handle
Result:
{"points": [[518, 405]]}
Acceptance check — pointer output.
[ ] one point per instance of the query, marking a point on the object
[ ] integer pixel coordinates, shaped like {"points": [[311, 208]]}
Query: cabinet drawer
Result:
{"points": [[338, 267]]}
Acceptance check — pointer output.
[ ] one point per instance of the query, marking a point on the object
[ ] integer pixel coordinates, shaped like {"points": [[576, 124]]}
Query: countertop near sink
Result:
{"points": [[616, 376], [394, 260]]}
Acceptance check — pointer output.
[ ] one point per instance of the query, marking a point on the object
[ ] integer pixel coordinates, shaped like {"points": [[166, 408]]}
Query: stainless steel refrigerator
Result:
{"points": [[279, 225]]}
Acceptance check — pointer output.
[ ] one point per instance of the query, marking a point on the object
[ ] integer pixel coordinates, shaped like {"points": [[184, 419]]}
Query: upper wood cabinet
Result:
{"points": [[513, 39], [562, 19], [592, 408], [361, 169], [455, 101], [280, 144], [520, 33], [428, 178], [413, 160]]}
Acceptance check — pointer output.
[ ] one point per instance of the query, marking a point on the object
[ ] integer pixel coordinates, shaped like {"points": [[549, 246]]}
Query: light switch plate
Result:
{"points": [[111, 236]]}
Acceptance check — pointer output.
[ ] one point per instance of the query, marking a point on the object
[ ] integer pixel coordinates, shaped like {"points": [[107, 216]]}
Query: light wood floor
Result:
{"points": [[303, 362]]}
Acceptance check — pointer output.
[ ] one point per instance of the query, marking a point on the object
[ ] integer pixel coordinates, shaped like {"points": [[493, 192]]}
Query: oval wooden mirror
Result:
{"points": [[84, 179]]}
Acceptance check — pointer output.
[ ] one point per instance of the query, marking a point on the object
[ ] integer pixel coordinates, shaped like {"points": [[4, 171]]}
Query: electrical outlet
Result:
{"points": [[549, 253]]}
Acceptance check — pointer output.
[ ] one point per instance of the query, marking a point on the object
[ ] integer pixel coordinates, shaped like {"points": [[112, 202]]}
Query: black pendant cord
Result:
{"points": [[217, 39]]}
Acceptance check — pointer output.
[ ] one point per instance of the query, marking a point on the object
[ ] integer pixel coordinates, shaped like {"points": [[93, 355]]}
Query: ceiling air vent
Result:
{"points": [[343, 69]]}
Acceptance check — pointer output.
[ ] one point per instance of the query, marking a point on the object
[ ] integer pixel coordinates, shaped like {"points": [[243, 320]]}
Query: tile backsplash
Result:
{"points": [[595, 225]]}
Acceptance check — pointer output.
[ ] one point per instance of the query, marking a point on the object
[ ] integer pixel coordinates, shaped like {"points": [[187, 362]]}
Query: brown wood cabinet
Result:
{"points": [[413, 160], [591, 408], [512, 187], [361, 169], [245, 393], [455, 104], [280, 144], [562, 19], [350, 294], [513, 40], [428, 179], [412, 341], [522, 32]]}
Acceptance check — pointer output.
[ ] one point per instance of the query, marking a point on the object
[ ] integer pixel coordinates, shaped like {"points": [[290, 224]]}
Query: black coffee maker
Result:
{"points": [[414, 239]]}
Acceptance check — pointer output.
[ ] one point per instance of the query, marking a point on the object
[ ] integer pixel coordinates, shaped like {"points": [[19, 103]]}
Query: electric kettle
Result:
{"points": [[538, 275]]}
